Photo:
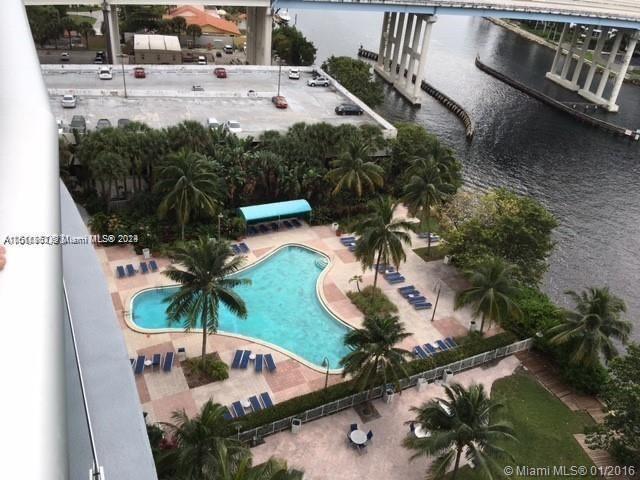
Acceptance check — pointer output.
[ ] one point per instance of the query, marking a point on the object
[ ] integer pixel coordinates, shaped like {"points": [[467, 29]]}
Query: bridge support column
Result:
{"points": [[384, 40], [562, 77], [110, 13], [583, 55], [596, 61], [556, 59], [259, 29]]}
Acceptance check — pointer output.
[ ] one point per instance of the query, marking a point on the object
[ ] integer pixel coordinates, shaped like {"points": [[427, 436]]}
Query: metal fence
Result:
{"points": [[358, 398]]}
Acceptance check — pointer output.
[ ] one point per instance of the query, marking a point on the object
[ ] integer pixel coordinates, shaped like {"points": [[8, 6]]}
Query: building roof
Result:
{"points": [[156, 42], [195, 16], [270, 211]]}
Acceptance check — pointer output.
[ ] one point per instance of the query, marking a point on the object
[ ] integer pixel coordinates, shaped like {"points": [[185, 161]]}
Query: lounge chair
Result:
{"points": [[139, 368], [168, 362], [253, 231], [450, 342], [244, 363], [419, 352], [296, 223], [236, 249], [255, 404], [391, 274], [442, 346], [347, 240], [244, 248], [419, 299], [153, 265], [422, 306], [156, 360], [354, 426], [263, 228], [227, 415], [266, 400], [352, 248], [430, 348], [394, 280], [143, 267], [409, 294], [236, 359], [130, 270], [274, 226], [259, 363], [408, 288], [287, 224], [120, 271], [271, 364], [238, 409]]}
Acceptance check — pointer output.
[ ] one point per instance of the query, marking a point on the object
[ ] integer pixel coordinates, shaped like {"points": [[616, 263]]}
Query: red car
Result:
{"points": [[279, 101], [220, 73], [138, 72]]}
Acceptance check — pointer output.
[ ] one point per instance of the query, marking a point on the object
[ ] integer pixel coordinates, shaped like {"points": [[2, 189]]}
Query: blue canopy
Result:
{"points": [[274, 211]]}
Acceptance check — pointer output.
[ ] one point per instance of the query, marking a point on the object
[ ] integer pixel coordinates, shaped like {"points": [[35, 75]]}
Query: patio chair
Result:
{"points": [[238, 409], [442, 346], [296, 223], [369, 435], [236, 359], [168, 362], [156, 360], [430, 348], [139, 368], [143, 267], [244, 363], [287, 224], [255, 404], [120, 271], [266, 400], [412, 427], [259, 363], [354, 426], [244, 248], [408, 288], [271, 364], [450, 342], [130, 271], [153, 265], [132, 361]]}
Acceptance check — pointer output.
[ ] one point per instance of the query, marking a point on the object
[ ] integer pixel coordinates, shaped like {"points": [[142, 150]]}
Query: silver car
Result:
{"points": [[69, 101]]}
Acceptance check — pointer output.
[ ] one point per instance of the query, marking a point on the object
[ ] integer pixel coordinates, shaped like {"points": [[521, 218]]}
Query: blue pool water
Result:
{"points": [[282, 304]]}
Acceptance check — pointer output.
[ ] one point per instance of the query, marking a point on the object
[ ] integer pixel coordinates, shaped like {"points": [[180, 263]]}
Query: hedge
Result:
{"points": [[469, 347]]}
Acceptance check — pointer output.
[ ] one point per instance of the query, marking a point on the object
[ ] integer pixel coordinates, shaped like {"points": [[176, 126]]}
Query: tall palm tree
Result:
{"points": [[426, 189], [590, 327], [461, 421], [205, 266], [373, 351], [382, 236], [353, 170], [492, 292], [189, 185]]}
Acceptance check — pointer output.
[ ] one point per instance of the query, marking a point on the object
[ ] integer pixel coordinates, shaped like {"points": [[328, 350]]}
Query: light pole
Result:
{"points": [[279, 72], [220, 215], [124, 81], [325, 363], [436, 305]]}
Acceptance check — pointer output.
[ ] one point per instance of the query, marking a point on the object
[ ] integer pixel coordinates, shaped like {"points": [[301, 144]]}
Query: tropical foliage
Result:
{"points": [[292, 47], [355, 76]]}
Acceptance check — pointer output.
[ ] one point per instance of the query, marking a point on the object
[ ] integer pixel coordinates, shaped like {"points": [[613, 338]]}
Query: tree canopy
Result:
{"points": [[355, 76], [292, 47]]}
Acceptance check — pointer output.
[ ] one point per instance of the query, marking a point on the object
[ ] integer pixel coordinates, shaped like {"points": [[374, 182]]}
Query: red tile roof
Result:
{"points": [[195, 16]]}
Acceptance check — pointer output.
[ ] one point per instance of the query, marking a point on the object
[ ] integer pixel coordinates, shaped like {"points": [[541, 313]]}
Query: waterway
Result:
{"points": [[587, 178]]}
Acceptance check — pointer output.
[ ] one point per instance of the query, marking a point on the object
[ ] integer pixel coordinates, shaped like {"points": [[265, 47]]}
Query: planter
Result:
{"points": [[473, 326], [388, 395], [447, 375], [422, 384], [296, 425]]}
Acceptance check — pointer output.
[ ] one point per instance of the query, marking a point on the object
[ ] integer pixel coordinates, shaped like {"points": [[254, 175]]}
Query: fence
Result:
{"points": [[358, 398]]}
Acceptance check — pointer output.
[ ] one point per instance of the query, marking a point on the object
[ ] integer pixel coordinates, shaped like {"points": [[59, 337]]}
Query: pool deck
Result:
{"points": [[161, 393]]}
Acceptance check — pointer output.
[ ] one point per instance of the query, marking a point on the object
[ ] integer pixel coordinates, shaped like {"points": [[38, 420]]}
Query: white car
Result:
{"points": [[212, 123], [233, 126], [105, 73], [294, 74], [65, 57], [69, 101], [318, 82], [202, 60]]}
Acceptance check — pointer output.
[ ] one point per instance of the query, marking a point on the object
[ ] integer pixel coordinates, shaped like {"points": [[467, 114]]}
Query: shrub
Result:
{"points": [[372, 301], [199, 371], [539, 313]]}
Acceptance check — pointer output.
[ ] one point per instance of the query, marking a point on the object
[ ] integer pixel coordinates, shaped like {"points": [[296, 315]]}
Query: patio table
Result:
{"points": [[358, 437], [420, 432]]}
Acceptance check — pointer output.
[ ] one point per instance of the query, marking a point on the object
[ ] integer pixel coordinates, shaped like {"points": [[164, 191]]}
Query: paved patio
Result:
{"points": [[326, 438], [161, 393]]}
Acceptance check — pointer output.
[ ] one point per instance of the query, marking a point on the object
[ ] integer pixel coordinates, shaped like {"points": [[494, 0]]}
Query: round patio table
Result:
{"points": [[246, 404], [358, 437], [148, 363], [252, 356], [420, 432]]}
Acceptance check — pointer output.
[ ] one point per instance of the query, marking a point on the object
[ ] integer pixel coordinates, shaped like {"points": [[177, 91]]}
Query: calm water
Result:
{"points": [[282, 304], [587, 178]]}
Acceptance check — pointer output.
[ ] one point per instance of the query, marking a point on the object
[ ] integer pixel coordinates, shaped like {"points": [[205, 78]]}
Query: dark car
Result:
{"points": [[349, 109], [103, 123], [279, 101], [99, 58], [123, 122], [78, 124], [220, 72], [139, 72]]}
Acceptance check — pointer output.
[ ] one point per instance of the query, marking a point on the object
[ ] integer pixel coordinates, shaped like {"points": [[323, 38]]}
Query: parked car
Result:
{"points": [[139, 72], [123, 122], [188, 57], [252, 93], [233, 126], [103, 123], [218, 54], [228, 49], [65, 57], [349, 109], [104, 73], [78, 124], [197, 88], [69, 101], [212, 123], [279, 101], [294, 74], [99, 58], [318, 82], [202, 60], [220, 72]]}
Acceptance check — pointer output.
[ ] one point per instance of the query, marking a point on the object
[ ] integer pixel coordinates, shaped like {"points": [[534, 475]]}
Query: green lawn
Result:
{"points": [[543, 424], [436, 253]]}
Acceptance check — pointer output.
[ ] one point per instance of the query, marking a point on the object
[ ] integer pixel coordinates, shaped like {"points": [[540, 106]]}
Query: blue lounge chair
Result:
{"points": [[244, 363], [227, 415], [287, 224], [392, 274], [253, 231], [238, 409], [255, 404], [352, 248], [139, 368], [395, 280], [236, 359], [168, 362], [408, 288], [130, 270], [244, 248], [354, 426], [442, 346], [410, 293], [296, 223], [156, 360], [414, 300], [347, 240], [419, 352], [274, 226], [271, 365], [143, 267], [236, 249], [120, 271], [266, 400], [263, 228], [450, 342], [153, 265], [422, 306], [430, 348], [259, 363]]}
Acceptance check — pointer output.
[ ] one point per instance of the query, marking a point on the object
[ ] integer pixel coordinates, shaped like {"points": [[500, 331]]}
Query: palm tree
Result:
{"points": [[459, 422], [373, 351], [353, 170], [425, 190], [85, 29], [189, 185], [233, 466], [205, 266], [590, 327], [195, 31], [492, 292], [357, 279], [381, 236]]}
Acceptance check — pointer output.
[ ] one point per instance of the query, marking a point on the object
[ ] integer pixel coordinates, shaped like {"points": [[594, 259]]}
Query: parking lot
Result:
{"points": [[165, 97]]}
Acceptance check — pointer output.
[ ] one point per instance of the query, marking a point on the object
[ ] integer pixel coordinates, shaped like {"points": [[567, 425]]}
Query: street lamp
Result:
{"points": [[124, 81], [433, 315], [220, 215], [325, 363], [279, 60]]}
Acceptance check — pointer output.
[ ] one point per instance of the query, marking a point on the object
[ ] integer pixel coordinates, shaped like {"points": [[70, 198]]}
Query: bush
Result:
{"points": [[589, 380], [199, 371], [372, 301], [539, 313], [355, 76]]}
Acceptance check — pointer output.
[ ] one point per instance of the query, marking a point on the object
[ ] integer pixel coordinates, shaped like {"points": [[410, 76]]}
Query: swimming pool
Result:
{"points": [[283, 307]]}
